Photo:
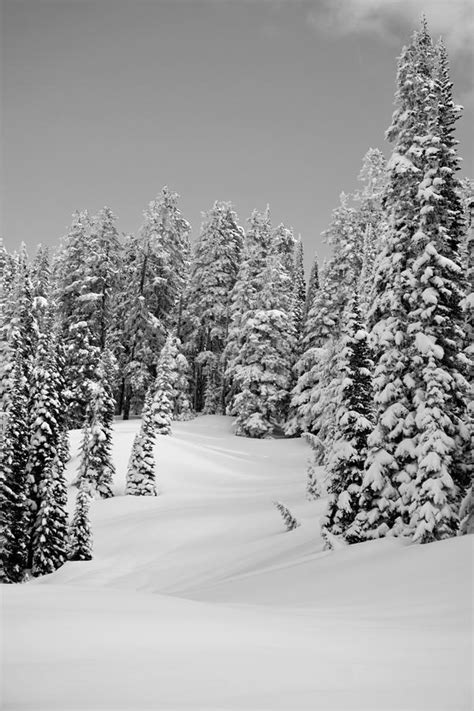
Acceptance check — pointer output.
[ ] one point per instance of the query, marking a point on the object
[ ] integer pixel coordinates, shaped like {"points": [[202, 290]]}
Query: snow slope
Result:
{"points": [[199, 599]]}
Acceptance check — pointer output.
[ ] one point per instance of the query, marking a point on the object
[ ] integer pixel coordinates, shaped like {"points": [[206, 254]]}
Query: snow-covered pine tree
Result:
{"points": [[299, 290], [73, 284], [466, 511], [14, 511], [81, 358], [263, 368], [181, 386], [313, 288], [40, 279], [416, 313], [141, 479], [315, 487], [7, 279], [245, 294], [317, 329], [433, 506], [46, 424], [23, 320], [96, 466], [214, 383], [206, 315], [80, 532], [289, 520], [149, 305], [347, 455], [50, 530], [163, 391]]}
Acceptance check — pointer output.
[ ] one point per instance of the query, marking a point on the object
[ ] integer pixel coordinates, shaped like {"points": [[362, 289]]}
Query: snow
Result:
{"points": [[199, 598]]}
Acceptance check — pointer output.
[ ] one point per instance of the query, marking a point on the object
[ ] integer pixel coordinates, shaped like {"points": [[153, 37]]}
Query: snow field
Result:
{"points": [[199, 599]]}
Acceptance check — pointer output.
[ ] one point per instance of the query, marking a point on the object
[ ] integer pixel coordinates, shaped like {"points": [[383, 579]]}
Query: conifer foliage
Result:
{"points": [[80, 532], [353, 424]]}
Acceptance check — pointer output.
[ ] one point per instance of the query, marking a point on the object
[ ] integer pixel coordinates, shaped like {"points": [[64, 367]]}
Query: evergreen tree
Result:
{"points": [[141, 480], [314, 486], [45, 427], [313, 287], [263, 369], [245, 295], [206, 315], [299, 290], [80, 533], [289, 520], [105, 256], [353, 424], [416, 314], [433, 506], [163, 391], [14, 514], [180, 379], [156, 269], [97, 467], [50, 533]]}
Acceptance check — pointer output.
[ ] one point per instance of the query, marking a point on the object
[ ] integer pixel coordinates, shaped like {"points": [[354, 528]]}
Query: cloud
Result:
{"points": [[453, 19]]}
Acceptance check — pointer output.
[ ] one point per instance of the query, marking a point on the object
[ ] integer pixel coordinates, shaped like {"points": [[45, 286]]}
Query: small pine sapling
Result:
{"points": [[288, 518], [80, 534]]}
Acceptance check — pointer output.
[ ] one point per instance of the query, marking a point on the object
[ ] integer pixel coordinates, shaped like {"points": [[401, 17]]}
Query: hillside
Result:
{"points": [[199, 599]]}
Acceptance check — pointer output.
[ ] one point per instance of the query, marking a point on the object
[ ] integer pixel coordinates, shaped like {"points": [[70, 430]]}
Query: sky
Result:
{"points": [[103, 102]]}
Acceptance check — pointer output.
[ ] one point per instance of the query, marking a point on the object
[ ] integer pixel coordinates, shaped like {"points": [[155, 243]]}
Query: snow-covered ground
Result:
{"points": [[199, 599]]}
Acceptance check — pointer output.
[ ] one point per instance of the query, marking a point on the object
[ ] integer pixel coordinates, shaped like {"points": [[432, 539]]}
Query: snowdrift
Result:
{"points": [[199, 599]]}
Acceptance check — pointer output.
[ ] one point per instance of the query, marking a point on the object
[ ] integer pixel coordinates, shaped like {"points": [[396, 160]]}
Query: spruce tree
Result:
{"points": [[14, 516], [289, 520], [299, 290], [353, 424], [46, 418], [163, 391], [141, 479], [245, 295], [50, 531], [150, 299], [80, 532], [97, 467], [263, 367], [416, 315], [206, 316]]}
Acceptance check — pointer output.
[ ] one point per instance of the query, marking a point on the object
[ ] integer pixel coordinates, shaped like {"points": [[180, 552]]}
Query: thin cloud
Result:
{"points": [[453, 19]]}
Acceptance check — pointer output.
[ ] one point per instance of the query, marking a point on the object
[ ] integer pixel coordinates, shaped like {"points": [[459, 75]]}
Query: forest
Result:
{"points": [[369, 359]]}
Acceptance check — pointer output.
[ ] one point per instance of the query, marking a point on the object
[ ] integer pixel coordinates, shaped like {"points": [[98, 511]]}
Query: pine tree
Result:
{"points": [[103, 264], [245, 295], [315, 488], [313, 287], [76, 300], [353, 424], [80, 533], [181, 386], [141, 480], [416, 313], [263, 368], [206, 316], [163, 392], [14, 514], [50, 533], [97, 467], [299, 290], [433, 506], [150, 302], [289, 520], [45, 426], [23, 321]]}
